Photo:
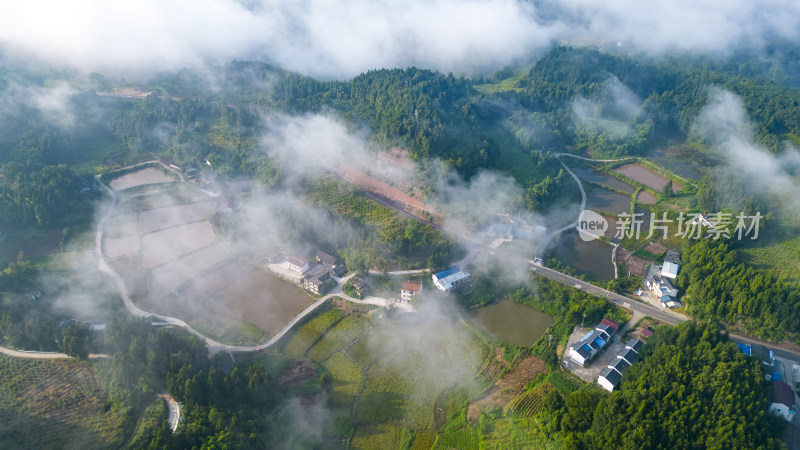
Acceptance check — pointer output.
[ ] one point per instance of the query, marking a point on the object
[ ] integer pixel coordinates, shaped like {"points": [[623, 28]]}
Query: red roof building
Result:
{"points": [[410, 289], [610, 323]]}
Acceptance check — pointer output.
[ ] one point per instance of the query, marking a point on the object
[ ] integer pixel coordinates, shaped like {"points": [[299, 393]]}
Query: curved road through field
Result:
{"points": [[213, 345], [555, 233], [666, 316]]}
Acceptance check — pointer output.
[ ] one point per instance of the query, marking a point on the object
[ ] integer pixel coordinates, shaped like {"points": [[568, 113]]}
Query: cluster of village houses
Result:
{"points": [[660, 280], [783, 400], [315, 276], [597, 340]]}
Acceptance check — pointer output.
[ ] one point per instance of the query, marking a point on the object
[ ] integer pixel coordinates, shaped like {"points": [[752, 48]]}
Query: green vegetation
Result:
{"points": [[719, 287], [693, 389], [309, 333], [350, 328], [386, 237], [58, 403], [152, 418]]}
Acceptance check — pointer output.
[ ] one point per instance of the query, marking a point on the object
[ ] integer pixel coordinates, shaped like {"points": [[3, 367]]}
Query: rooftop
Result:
{"points": [[782, 393], [635, 344], [611, 375], [295, 261], [609, 330], [448, 272], [412, 286], [326, 258], [629, 355], [610, 323], [619, 364]]}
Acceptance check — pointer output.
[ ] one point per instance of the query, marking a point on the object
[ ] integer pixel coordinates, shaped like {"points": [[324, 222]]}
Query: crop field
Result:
{"points": [[114, 247], [531, 402], [346, 375], [463, 439], [122, 224], [514, 432], [140, 178], [171, 275], [303, 338], [170, 216], [166, 245], [55, 404], [350, 328], [216, 280], [260, 298]]}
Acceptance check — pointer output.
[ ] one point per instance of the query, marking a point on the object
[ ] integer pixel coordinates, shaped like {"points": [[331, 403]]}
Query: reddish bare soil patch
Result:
{"points": [[140, 178], [296, 372], [654, 248], [508, 387]]}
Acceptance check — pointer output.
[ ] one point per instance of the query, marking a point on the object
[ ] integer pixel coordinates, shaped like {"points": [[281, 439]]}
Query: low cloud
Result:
{"points": [[342, 39], [612, 111], [724, 125]]}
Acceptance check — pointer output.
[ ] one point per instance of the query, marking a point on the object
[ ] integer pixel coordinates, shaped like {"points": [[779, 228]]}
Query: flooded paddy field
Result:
{"points": [[647, 177], [600, 199], [142, 177], [161, 242], [592, 258], [511, 322], [594, 176], [678, 160], [646, 197], [166, 245], [165, 217]]}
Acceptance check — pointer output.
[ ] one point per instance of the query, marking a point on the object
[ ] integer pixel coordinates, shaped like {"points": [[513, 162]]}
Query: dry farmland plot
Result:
{"points": [[168, 277], [218, 279], [55, 404], [140, 178], [166, 245], [158, 219], [114, 247], [260, 298], [122, 224]]}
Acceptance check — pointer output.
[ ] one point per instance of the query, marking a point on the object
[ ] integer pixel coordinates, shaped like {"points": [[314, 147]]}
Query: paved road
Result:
{"points": [[174, 411], [32, 354], [667, 316], [590, 159], [213, 345], [574, 224]]}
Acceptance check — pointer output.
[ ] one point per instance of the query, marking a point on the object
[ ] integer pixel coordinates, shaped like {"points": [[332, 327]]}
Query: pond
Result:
{"points": [[592, 258], [594, 176], [646, 197], [511, 322], [672, 159], [600, 199], [648, 177]]}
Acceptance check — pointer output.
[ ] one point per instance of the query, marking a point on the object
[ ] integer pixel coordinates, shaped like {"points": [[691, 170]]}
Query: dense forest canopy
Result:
{"points": [[693, 389]]}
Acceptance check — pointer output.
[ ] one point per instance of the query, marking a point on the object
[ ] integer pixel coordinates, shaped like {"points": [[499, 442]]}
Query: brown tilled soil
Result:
{"points": [[634, 265], [508, 387], [654, 248], [296, 372]]}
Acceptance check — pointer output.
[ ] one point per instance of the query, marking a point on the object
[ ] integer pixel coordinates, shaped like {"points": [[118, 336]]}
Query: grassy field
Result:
{"points": [[309, 333], [777, 248], [56, 404]]}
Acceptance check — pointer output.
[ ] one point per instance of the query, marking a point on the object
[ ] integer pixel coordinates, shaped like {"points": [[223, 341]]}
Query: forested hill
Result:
{"points": [[661, 98], [433, 114], [694, 389]]}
